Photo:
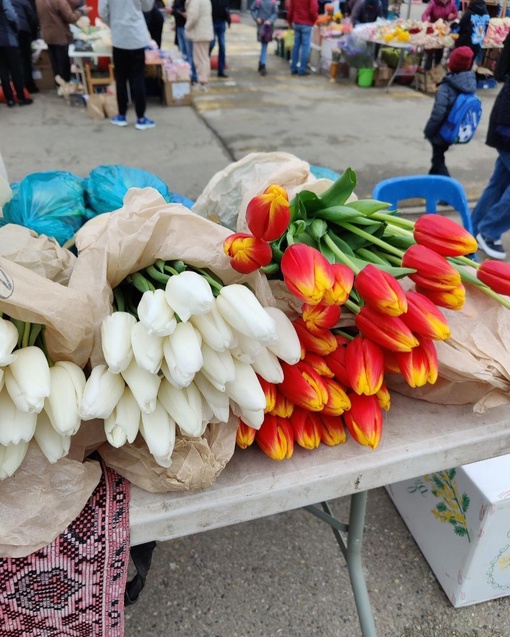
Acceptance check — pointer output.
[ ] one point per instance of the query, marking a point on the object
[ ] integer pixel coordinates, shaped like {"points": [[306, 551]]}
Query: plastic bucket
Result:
{"points": [[366, 77]]}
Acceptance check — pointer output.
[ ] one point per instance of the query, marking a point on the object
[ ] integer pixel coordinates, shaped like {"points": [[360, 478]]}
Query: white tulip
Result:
{"points": [[253, 419], [143, 385], [242, 310], [184, 406], [28, 379], [288, 347], [218, 367], [15, 425], [53, 445], [217, 400], [158, 431], [155, 314], [246, 348], [2, 379], [182, 349], [147, 348], [124, 422], [116, 340], [8, 341], [67, 383], [101, 394], [11, 458], [173, 374], [267, 365], [189, 293], [213, 328], [245, 390]]}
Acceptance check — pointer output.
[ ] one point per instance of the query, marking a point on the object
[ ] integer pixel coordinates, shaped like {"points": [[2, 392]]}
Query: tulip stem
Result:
{"points": [[341, 256], [393, 220], [350, 337], [26, 335], [366, 235], [465, 261], [354, 307], [216, 285]]}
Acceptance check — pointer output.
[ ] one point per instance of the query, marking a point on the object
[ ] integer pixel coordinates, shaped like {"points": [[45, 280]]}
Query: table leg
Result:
{"points": [[399, 66]]}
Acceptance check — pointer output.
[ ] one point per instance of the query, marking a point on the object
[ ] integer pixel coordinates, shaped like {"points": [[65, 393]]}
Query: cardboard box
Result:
{"points": [[43, 73], [177, 93], [382, 75], [460, 519]]}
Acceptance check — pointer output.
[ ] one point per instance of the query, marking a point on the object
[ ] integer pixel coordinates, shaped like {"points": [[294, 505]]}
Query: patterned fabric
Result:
{"points": [[74, 587]]}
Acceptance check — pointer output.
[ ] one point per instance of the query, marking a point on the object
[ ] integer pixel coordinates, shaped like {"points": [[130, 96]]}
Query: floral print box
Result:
{"points": [[460, 519]]}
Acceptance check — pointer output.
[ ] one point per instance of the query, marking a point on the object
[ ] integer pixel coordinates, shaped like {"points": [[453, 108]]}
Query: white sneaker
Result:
{"points": [[493, 248]]}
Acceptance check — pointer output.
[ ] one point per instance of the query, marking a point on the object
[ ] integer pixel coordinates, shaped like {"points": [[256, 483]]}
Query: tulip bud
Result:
{"points": [[443, 235], [269, 390], [189, 293], [420, 365], [387, 331], [381, 291], [364, 420], [336, 362], [253, 419], [321, 342], [332, 430], [304, 387], [155, 314], [101, 394], [283, 407], [307, 273], [495, 274], [306, 428], [124, 422], [245, 436], [183, 349], [267, 365], [245, 348], [364, 362], [214, 330], [242, 311], [275, 438], [451, 298], [8, 341], [11, 457], [28, 379], [338, 401], [158, 431], [245, 389], [53, 444], [319, 364], [288, 347], [67, 383], [218, 367], [174, 375], [184, 406], [432, 270], [268, 215], [247, 254], [15, 425], [143, 385], [217, 400], [342, 286], [147, 348], [384, 398], [116, 340], [424, 318], [320, 317]]}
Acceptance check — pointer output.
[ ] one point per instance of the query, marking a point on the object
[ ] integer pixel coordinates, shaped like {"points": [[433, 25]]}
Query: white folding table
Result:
{"points": [[419, 438]]}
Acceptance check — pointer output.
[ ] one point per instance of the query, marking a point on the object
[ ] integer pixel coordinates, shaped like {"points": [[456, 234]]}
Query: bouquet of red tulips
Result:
{"points": [[343, 262]]}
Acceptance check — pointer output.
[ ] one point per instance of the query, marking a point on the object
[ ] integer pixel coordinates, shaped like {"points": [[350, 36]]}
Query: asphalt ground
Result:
{"points": [[283, 575]]}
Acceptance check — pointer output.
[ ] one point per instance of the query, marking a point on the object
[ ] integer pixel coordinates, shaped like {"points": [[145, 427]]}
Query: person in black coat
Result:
{"points": [[221, 18], [154, 20], [473, 27], [364, 11], [491, 215], [460, 79], [28, 31], [10, 62]]}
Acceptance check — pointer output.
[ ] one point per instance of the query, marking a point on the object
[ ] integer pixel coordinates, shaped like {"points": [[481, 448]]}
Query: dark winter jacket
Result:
{"points": [[449, 88], [9, 24], [498, 133], [473, 26], [220, 11], [27, 17], [365, 11], [178, 9]]}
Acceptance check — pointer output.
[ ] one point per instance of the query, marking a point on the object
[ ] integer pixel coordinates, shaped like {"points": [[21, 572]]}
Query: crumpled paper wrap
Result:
{"points": [[196, 462], [110, 247], [52, 496], [474, 363]]}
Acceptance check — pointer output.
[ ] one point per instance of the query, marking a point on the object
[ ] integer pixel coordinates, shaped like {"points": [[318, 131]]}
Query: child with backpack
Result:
{"points": [[440, 130]]}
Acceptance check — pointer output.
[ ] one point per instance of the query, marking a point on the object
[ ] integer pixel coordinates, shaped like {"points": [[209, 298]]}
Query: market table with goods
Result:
{"points": [[275, 344]]}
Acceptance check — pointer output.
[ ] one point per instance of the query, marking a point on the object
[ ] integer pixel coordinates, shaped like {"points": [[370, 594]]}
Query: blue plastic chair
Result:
{"points": [[432, 188]]}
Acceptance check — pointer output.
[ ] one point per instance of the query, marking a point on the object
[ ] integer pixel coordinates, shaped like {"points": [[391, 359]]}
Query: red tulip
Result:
{"points": [[419, 366], [444, 236], [452, 298], [306, 428], [390, 362], [283, 407], [364, 420], [332, 430], [381, 291], [338, 401], [245, 435], [247, 253], [319, 364], [336, 362], [268, 215], [342, 286], [307, 273], [269, 390], [364, 361], [275, 438], [303, 386], [424, 318], [495, 274], [432, 270], [321, 342], [387, 331], [320, 317], [383, 397]]}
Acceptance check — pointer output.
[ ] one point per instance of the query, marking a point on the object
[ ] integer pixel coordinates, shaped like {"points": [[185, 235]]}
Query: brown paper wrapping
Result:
{"points": [[52, 496]]}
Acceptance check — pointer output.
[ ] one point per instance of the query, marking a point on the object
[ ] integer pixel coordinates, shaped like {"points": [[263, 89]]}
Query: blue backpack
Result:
{"points": [[462, 120]]}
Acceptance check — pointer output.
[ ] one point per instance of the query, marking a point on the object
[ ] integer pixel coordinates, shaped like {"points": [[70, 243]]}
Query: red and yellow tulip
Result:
{"points": [[304, 387], [364, 420], [342, 286], [387, 331], [283, 407], [432, 270], [332, 430], [319, 364], [245, 435], [338, 401], [364, 361], [268, 214], [419, 366], [307, 273], [495, 274], [247, 254], [321, 342], [381, 291], [424, 318], [275, 438], [444, 236], [383, 397], [336, 362], [306, 427], [451, 298], [269, 390], [320, 317]]}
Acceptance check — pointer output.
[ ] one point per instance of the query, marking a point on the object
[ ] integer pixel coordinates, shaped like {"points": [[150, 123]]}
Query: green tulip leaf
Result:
{"points": [[318, 228], [368, 206], [340, 190], [338, 214]]}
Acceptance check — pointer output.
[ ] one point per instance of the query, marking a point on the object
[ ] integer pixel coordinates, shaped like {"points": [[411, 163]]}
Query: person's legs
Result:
{"points": [[120, 71], [263, 55], [202, 61], [493, 192], [25, 50], [495, 220], [5, 79], [294, 58], [136, 74], [306, 41], [219, 30], [14, 63], [438, 165], [63, 63], [189, 52], [181, 41]]}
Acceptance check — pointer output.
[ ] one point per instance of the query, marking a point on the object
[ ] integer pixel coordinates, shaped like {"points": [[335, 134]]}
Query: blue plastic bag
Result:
{"points": [[51, 203], [106, 186]]}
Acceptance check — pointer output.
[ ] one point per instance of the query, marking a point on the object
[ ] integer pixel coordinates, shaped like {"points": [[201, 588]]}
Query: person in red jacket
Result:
{"points": [[438, 10], [301, 15]]}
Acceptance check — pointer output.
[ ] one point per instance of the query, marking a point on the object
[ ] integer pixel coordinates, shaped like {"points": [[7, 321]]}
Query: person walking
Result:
{"points": [[264, 12], [473, 27], [301, 15], [129, 39], [199, 30], [28, 30], [460, 79], [220, 19], [491, 215], [178, 10], [10, 61], [55, 16]]}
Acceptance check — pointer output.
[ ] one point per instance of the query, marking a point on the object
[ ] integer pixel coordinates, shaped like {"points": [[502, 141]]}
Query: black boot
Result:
{"points": [[262, 69]]}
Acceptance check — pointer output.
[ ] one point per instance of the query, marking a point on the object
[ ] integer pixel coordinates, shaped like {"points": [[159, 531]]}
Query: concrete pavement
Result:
{"points": [[281, 576]]}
